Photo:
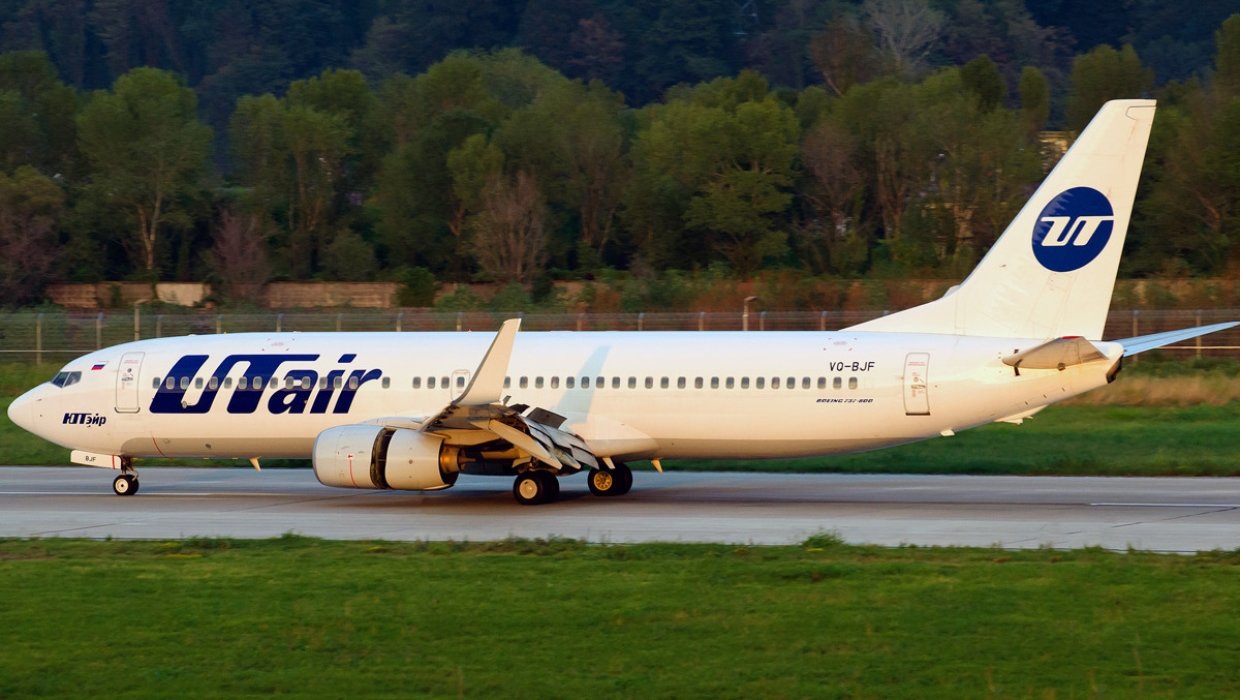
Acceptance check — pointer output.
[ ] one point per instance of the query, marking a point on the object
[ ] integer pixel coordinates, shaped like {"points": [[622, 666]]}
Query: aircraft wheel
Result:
{"points": [[625, 476], [533, 488], [125, 485], [552, 485], [610, 482]]}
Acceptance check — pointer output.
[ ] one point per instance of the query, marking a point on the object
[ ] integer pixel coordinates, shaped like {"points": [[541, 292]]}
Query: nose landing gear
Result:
{"points": [[127, 483]]}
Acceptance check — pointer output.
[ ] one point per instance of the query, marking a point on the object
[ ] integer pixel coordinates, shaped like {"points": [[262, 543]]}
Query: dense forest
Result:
{"points": [[421, 141]]}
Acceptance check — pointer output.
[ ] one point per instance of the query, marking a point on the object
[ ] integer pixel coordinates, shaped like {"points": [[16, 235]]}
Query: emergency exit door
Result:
{"points": [[127, 375], [917, 384]]}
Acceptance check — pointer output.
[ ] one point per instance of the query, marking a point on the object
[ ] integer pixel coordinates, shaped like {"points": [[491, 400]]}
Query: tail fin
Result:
{"points": [[1052, 271]]}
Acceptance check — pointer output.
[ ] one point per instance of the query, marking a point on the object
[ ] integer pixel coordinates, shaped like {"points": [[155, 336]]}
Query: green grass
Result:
{"points": [[1068, 440], [217, 618]]}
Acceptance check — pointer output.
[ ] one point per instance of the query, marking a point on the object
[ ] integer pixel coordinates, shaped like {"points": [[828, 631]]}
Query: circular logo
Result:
{"points": [[1073, 229]]}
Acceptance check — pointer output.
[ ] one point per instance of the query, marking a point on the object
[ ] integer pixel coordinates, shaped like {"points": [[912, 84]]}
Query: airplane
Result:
{"points": [[414, 411]]}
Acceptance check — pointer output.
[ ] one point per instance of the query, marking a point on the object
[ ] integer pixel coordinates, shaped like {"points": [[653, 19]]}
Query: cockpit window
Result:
{"points": [[64, 379]]}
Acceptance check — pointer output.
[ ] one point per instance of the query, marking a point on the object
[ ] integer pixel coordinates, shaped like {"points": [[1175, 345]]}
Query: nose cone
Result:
{"points": [[22, 411]]}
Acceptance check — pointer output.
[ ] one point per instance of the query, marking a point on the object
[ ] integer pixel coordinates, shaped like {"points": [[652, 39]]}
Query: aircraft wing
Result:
{"points": [[479, 415], [1141, 343]]}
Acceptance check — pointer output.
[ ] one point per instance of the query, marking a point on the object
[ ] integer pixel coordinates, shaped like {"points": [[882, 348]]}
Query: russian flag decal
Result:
{"points": [[98, 366]]}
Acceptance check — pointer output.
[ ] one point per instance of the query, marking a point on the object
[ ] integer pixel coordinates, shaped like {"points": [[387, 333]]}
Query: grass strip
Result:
{"points": [[305, 617]]}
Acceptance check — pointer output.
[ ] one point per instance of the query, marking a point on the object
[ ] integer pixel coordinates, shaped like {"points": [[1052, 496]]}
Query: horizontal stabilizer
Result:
{"points": [[1141, 343], [1056, 354]]}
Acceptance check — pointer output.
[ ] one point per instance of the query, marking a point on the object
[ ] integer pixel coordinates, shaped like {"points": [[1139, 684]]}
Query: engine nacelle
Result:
{"points": [[376, 457]]}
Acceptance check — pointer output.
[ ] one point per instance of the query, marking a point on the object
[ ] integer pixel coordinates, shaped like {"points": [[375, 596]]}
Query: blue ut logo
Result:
{"points": [[1073, 229]]}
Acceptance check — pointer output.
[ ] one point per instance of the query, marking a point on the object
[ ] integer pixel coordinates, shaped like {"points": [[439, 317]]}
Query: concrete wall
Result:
{"points": [[106, 294]]}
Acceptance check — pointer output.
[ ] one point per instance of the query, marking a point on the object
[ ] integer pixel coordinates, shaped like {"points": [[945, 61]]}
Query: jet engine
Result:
{"points": [[377, 457]]}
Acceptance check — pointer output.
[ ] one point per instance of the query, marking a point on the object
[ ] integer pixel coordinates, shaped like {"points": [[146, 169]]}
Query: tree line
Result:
{"points": [[494, 165]]}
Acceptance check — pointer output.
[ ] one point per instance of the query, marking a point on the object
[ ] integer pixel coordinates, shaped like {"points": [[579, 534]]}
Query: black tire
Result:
{"points": [[124, 485], [602, 482], [625, 476], [551, 486], [610, 482], [534, 488]]}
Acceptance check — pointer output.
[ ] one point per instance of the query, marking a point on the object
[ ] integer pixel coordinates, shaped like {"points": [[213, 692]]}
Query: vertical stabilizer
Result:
{"points": [[1052, 271]]}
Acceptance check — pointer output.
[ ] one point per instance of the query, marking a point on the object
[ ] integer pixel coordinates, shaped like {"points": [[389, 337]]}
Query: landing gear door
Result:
{"points": [[127, 377], [917, 384]]}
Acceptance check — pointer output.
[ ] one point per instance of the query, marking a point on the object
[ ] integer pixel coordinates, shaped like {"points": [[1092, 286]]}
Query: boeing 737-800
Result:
{"points": [[416, 410]]}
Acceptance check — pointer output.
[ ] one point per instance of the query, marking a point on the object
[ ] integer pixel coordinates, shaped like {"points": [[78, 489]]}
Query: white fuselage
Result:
{"points": [[627, 394]]}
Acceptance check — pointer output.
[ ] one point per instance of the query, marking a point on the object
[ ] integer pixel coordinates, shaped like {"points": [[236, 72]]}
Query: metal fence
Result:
{"points": [[56, 337]]}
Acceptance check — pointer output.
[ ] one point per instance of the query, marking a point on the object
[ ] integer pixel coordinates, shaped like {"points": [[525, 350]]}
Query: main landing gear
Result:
{"points": [[539, 486], [127, 483], [535, 487], [611, 482]]}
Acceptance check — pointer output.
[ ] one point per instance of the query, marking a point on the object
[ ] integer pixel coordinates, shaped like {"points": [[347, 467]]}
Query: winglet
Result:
{"points": [[487, 385]]}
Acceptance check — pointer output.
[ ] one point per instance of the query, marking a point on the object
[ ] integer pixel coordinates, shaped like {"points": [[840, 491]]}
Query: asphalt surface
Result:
{"points": [[1157, 514]]}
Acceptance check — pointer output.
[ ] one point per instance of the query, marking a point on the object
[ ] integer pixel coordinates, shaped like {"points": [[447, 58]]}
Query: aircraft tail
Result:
{"points": [[1052, 271]]}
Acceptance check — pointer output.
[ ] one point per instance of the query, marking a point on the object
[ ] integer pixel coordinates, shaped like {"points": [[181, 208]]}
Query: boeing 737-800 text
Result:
{"points": [[416, 410]]}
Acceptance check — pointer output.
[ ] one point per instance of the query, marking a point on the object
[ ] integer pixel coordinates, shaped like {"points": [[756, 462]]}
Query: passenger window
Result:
{"points": [[615, 382], [822, 382], [744, 382], [649, 382], [714, 382], [227, 382], [837, 383], [680, 382], [570, 382], [632, 382], [760, 383], [774, 382], [387, 382], [697, 383], [507, 382], [805, 382], [354, 383], [184, 383], [430, 382], [170, 383], [538, 382], [417, 382], [155, 384], [664, 383], [198, 383], [213, 383], [524, 382], [852, 382], [338, 382], [730, 383], [460, 382], [585, 382], [792, 383], [555, 382]]}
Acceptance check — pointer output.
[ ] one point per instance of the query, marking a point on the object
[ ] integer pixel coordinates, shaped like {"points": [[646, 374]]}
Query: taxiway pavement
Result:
{"points": [[1157, 514]]}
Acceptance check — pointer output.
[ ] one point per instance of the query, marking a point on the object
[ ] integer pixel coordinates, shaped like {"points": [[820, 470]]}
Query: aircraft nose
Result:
{"points": [[22, 411]]}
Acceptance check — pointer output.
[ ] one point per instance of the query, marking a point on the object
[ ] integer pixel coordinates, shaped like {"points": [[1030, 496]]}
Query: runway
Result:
{"points": [[1157, 514]]}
